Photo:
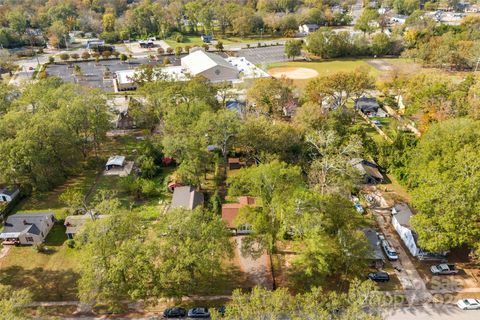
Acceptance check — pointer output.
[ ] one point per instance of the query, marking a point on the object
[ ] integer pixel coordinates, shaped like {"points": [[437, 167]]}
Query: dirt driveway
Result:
{"points": [[257, 270]]}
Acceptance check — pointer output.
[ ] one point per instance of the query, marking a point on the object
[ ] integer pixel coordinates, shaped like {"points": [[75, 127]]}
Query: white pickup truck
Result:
{"points": [[443, 268]]}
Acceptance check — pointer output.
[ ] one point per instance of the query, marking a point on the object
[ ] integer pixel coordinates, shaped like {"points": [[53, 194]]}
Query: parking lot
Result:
{"points": [[264, 55], [96, 75]]}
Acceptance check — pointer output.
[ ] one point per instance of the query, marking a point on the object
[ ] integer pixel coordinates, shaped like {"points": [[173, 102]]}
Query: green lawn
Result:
{"points": [[49, 276], [197, 41]]}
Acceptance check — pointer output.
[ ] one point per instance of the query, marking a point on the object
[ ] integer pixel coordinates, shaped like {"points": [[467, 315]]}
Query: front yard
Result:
{"points": [[49, 276]]}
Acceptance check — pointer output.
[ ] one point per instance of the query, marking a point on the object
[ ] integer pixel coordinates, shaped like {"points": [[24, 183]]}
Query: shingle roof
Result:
{"points": [[8, 192], [25, 223], [116, 161], [366, 168], [230, 210], [374, 243], [402, 213], [186, 197]]}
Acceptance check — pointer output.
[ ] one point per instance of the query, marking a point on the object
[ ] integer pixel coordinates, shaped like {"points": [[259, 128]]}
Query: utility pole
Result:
{"points": [[478, 62]]}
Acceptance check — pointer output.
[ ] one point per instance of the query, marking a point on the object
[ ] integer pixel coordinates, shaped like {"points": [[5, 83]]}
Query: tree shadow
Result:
{"points": [[45, 285]]}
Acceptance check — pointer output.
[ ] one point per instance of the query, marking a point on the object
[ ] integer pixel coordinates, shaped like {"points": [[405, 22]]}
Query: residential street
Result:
{"points": [[437, 312]]}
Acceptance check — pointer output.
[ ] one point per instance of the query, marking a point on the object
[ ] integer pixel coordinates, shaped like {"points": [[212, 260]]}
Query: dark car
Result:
{"points": [[198, 313], [379, 276], [174, 313]]}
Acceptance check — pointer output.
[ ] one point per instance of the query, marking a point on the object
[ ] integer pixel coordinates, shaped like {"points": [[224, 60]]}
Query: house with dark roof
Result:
{"points": [[230, 212], [27, 228], [368, 170], [368, 106], [186, 197], [375, 255], [8, 194], [308, 28]]}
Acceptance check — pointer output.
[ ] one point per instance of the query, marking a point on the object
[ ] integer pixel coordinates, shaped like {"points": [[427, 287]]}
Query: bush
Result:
{"points": [[169, 50], [178, 51], [85, 55], [123, 57], [160, 51], [70, 243], [64, 56], [166, 61], [51, 59], [39, 248], [110, 37], [75, 56], [179, 38], [187, 49]]}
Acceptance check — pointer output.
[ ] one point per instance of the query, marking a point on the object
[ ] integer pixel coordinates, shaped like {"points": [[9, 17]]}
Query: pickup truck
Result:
{"points": [[443, 268]]}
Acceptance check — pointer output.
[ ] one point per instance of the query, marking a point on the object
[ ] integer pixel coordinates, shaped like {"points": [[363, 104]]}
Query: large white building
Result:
{"points": [[199, 63]]}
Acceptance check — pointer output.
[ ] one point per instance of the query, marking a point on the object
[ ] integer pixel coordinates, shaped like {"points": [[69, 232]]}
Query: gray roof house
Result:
{"points": [[115, 162], [8, 194], [186, 197], [368, 170], [368, 106], [376, 254], [74, 224], [27, 228]]}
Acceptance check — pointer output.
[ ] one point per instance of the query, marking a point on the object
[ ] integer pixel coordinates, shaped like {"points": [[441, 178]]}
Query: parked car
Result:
{"points": [[443, 269], [198, 313], [175, 312], [469, 304], [359, 208], [392, 255], [379, 276]]}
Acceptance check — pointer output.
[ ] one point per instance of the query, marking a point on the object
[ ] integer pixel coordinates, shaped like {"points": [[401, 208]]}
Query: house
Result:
{"points": [[230, 212], [8, 194], [186, 197], [368, 106], [375, 257], [368, 170], [398, 19], [124, 121], [401, 214], [235, 163], [209, 65], [27, 228], [308, 28], [75, 223], [115, 162]]}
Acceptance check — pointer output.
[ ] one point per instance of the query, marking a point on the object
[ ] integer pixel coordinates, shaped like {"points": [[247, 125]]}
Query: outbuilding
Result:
{"points": [[8, 194]]}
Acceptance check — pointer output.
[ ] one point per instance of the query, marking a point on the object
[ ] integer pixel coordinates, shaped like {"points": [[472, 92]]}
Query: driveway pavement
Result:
{"points": [[411, 281], [436, 312], [257, 270], [264, 55]]}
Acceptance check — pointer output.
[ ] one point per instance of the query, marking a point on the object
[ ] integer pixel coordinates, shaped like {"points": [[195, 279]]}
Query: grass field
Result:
{"points": [[325, 67], [197, 41], [49, 276]]}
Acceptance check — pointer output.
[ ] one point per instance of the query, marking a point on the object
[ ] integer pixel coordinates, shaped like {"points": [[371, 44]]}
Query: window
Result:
{"points": [[29, 239]]}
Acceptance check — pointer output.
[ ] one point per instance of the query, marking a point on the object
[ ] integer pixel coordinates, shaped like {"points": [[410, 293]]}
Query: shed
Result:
{"points": [[115, 162], [186, 197], [8, 194]]}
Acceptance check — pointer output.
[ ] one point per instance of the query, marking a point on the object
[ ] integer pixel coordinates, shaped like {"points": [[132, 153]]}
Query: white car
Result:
{"points": [[469, 304], [391, 253]]}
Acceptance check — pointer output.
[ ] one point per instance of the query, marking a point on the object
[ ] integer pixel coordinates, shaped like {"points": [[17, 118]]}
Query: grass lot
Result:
{"points": [[196, 41], [49, 276]]}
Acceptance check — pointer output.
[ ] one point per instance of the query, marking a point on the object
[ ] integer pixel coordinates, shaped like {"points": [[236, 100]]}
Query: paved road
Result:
{"points": [[436, 312]]}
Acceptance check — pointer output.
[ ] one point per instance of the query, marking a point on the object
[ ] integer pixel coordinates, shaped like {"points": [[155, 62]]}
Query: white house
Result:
{"points": [[27, 228], [209, 65], [308, 28], [401, 214], [7, 195]]}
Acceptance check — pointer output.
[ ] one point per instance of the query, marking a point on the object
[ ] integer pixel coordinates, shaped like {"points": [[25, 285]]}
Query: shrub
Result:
{"points": [[123, 57], [160, 51], [75, 56], [115, 54], [51, 59], [106, 54], [169, 50], [70, 243], [64, 56], [187, 49], [178, 51], [85, 55], [179, 38], [39, 247], [166, 61]]}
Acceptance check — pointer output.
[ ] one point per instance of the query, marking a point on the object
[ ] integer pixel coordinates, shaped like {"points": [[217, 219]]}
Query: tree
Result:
{"points": [[337, 89], [64, 56], [220, 128], [123, 57], [367, 22], [327, 44], [293, 48], [13, 303], [57, 34], [219, 46], [331, 169], [85, 55], [108, 22], [381, 44], [362, 301], [178, 51], [268, 96], [444, 176], [75, 56]]}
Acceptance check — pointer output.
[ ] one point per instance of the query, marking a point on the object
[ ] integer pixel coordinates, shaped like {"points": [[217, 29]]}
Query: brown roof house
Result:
{"points": [[230, 212]]}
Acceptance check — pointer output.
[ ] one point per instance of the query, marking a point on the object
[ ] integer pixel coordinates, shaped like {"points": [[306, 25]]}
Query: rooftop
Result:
{"points": [[24, 223], [199, 61], [186, 197], [116, 161]]}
